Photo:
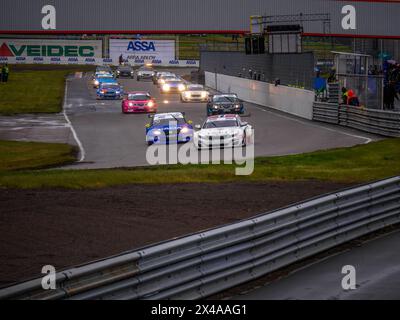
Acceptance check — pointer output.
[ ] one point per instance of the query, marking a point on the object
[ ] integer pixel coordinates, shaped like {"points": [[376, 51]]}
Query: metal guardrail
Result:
{"points": [[209, 262], [385, 123]]}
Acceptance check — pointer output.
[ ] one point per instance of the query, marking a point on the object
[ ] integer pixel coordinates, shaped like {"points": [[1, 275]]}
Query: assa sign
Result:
{"points": [[143, 49], [141, 46]]}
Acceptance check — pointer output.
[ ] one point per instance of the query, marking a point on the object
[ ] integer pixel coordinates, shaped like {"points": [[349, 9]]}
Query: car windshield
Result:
{"points": [[174, 82], [195, 88], [110, 86], [138, 97], [225, 99], [103, 69], [168, 120], [220, 124], [124, 68], [145, 69], [168, 78], [104, 75]]}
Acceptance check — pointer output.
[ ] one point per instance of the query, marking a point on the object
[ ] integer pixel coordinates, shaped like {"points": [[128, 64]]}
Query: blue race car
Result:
{"points": [[103, 78], [169, 128], [110, 91]]}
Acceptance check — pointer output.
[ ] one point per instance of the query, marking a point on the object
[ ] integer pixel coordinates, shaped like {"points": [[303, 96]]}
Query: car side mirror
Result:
{"points": [[150, 116], [197, 127], [244, 124]]}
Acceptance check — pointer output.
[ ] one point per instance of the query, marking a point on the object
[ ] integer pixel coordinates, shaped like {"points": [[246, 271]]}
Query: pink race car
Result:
{"points": [[138, 102]]}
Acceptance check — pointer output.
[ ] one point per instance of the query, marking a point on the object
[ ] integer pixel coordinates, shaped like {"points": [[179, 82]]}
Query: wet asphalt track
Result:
{"points": [[112, 139], [377, 265]]}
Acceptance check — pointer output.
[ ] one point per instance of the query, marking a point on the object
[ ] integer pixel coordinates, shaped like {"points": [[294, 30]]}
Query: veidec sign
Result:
{"points": [[52, 51], [50, 48]]}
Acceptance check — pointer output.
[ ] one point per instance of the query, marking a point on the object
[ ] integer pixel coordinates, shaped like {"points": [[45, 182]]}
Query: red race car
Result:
{"points": [[138, 102]]}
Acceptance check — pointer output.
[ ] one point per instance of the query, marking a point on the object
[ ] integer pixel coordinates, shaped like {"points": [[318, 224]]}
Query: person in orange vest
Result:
{"points": [[352, 99]]}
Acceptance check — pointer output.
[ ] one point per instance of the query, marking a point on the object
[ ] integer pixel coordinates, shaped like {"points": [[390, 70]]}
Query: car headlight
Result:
{"points": [[166, 87], [187, 94], [117, 92], [181, 87], [185, 130], [118, 71], [130, 104], [157, 132], [237, 106], [96, 82], [204, 94], [161, 81], [150, 104], [215, 107]]}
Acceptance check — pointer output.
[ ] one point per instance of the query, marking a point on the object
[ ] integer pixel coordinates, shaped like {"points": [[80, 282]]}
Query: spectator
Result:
{"points": [[344, 95], [4, 73], [389, 95], [121, 59], [332, 75]]}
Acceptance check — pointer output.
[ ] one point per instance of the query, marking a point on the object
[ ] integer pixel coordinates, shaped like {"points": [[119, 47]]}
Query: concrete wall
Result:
{"points": [[294, 69], [290, 100]]}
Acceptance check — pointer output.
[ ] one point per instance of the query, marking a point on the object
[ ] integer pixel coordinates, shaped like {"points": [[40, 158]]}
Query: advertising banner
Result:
{"points": [[97, 61], [142, 51], [52, 48]]}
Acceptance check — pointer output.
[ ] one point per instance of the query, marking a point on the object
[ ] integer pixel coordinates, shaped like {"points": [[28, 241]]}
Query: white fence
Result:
{"points": [[295, 101]]}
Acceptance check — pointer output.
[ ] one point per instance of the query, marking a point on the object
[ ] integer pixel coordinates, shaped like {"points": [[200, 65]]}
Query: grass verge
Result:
{"points": [[33, 155], [358, 164], [35, 89]]}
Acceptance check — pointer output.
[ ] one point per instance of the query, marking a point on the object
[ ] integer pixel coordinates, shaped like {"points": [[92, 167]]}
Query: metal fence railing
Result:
{"points": [[209, 262], [385, 123]]}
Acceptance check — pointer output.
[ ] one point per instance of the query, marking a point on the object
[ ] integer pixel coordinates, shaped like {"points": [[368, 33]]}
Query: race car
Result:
{"points": [[109, 91], [194, 92], [103, 69], [158, 75], [145, 72], [103, 78], [222, 131], [136, 102], [166, 128], [224, 103], [173, 85], [165, 77], [124, 71]]}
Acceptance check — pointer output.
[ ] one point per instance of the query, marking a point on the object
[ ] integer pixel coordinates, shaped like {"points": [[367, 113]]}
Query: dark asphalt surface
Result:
{"points": [[36, 127], [112, 139], [377, 265]]}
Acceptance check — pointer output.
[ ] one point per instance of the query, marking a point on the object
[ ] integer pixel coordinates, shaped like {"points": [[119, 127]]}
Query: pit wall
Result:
{"points": [[298, 102]]}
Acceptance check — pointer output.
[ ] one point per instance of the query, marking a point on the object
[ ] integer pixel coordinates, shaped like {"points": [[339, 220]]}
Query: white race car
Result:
{"points": [[145, 73], [194, 92], [223, 131]]}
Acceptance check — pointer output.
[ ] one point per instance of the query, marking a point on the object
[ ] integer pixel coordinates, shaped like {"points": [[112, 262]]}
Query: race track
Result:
{"points": [[110, 139], [377, 265]]}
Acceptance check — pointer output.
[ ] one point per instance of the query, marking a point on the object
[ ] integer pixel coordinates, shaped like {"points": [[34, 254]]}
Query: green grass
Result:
{"points": [[33, 155], [353, 165], [30, 89]]}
